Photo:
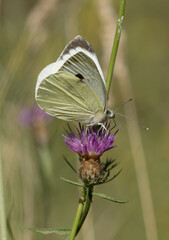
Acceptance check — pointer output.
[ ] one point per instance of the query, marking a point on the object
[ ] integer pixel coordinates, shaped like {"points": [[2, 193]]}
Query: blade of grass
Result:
{"points": [[3, 227]]}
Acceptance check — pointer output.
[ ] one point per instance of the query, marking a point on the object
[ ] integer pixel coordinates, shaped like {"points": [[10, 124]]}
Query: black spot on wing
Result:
{"points": [[79, 76]]}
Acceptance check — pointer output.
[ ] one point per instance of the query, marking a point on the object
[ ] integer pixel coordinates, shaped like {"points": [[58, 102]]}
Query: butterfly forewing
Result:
{"points": [[82, 66], [80, 59]]}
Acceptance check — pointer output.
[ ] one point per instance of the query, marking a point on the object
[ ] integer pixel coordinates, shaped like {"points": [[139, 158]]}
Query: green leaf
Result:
{"points": [[72, 182], [108, 197], [46, 231]]}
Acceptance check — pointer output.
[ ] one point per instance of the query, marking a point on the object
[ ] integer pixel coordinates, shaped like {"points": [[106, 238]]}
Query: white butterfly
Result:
{"points": [[73, 88]]}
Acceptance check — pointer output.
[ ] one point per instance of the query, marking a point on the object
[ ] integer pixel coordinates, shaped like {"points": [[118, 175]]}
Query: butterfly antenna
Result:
{"points": [[129, 100], [146, 128]]}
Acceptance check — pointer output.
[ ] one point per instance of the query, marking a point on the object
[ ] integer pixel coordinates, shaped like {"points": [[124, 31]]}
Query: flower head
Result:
{"points": [[30, 116], [36, 119], [89, 143]]}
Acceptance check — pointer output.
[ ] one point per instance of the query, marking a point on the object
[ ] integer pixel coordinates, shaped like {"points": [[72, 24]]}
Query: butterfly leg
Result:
{"points": [[102, 126], [114, 123]]}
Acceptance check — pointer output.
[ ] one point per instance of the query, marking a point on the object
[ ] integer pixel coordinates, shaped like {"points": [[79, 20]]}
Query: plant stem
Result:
{"points": [[3, 231], [46, 165], [87, 207], [115, 44], [78, 214]]}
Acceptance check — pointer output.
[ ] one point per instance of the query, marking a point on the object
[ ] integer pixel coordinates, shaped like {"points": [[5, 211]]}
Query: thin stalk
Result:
{"points": [[115, 44], [46, 165], [3, 229], [87, 207], [47, 178], [78, 214]]}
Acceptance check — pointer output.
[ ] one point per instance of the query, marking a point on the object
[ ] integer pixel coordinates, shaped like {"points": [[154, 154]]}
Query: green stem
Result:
{"points": [[3, 231], [115, 44], [78, 214], [46, 165], [87, 207]]}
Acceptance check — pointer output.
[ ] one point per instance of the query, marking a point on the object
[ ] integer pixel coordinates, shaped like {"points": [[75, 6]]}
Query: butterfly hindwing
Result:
{"points": [[68, 97]]}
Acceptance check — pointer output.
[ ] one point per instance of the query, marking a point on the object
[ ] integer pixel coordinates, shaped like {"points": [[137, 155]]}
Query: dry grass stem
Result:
{"points": [[107, 18]]}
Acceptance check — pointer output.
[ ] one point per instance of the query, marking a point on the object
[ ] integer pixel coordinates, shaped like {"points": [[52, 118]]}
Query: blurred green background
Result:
{"points": [[32, 35]]}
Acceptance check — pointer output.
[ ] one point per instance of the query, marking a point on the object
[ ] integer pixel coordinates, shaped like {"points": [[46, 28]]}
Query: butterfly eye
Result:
{"points": [[110, 113], [79, 76]]}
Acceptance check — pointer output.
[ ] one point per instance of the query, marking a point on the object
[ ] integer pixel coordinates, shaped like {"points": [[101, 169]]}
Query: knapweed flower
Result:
{"points": [[29, 116], [90, 143], [35, 118]]}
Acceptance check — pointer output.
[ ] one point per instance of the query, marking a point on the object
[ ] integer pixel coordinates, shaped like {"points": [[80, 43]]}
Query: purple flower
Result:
{"points": [[30, 116], [89, 143], [35, 118]]}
